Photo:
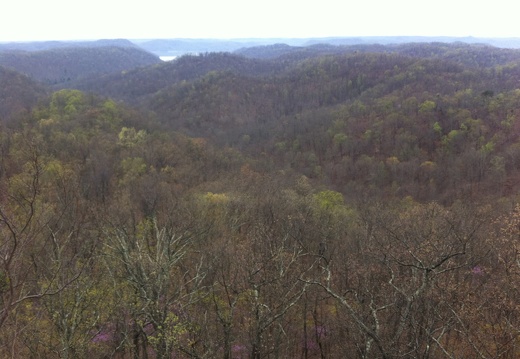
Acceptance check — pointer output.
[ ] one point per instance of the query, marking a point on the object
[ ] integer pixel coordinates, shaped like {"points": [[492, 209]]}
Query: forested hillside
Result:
{"points": [[138, 84], [18, 93], [388, 122], [310, 202], [470, 55], [59, 66], [49, 45]]}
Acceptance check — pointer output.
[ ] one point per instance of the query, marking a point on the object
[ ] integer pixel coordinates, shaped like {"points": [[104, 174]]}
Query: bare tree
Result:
{"points": [[149, 260], [26, 217], [394, 290]]}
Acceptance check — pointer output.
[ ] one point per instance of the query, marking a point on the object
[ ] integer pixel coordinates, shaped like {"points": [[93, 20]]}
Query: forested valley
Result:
{"points": [[274, 202]]}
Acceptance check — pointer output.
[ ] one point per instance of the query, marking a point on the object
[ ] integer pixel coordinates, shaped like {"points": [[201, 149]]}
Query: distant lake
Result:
{"points": [[167, 58]]}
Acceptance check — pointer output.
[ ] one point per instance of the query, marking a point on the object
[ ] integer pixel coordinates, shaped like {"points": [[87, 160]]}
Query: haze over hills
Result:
{"points": [[227, 97], [280, 199], [48, 45], [64, 64], [279, 60], [18, 93], [178, 47]]}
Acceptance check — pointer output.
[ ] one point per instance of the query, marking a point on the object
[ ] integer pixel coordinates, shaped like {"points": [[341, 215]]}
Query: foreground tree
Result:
{"points": [[396, 285], [29, 214], [149, 260]]}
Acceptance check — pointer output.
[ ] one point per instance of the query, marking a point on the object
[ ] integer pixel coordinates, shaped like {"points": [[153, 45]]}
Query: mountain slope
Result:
{"points": [[18, 93], [365, 122], [61, 65], [49, 45], [137, 84], [423, 120], [474, 55]]}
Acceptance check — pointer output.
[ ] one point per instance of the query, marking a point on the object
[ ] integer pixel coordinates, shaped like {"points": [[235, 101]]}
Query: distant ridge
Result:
{"points": [[65, 64], [512, 42], [18, 93], [182, 46], [49, 45], [178, 47]]}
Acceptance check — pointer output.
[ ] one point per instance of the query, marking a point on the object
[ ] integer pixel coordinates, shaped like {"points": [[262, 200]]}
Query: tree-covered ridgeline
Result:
{"points": [[360, 205], [385, 123]]}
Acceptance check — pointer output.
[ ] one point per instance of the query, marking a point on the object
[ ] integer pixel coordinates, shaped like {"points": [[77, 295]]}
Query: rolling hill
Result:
{"points": [[288, 200], [18, 93], [65, 64], [339, 114]]}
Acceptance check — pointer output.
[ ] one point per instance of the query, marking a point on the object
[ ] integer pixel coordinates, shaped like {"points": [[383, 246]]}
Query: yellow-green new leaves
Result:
{"points": [[129, 137], [328, 199], [67, 103], [427, 106], [216, 198]]}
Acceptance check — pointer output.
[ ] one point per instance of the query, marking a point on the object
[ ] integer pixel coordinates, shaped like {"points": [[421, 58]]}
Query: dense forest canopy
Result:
{"points": [[65, 64], [18, 93], [277, 202]]}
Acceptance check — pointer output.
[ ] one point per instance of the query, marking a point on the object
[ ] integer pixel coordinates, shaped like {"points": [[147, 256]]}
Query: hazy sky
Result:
{"points": [[23, 20]]}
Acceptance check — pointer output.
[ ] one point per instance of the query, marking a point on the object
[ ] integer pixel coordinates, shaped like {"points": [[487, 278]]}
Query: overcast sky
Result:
{"points": [[27, 20]]}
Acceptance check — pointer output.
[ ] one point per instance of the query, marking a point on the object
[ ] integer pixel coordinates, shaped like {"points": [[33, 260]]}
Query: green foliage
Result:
{"points": [[67, 103], [129, 137], [133, 166], [328, 199], [340, 139], [488, 147], [169, 333], [348, 201], [427, 107], [216, 198], [111, 115], [437, 128]]}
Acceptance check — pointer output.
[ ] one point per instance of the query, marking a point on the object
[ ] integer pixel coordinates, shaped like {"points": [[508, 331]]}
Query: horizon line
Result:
{"points": [[252, 38]]}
